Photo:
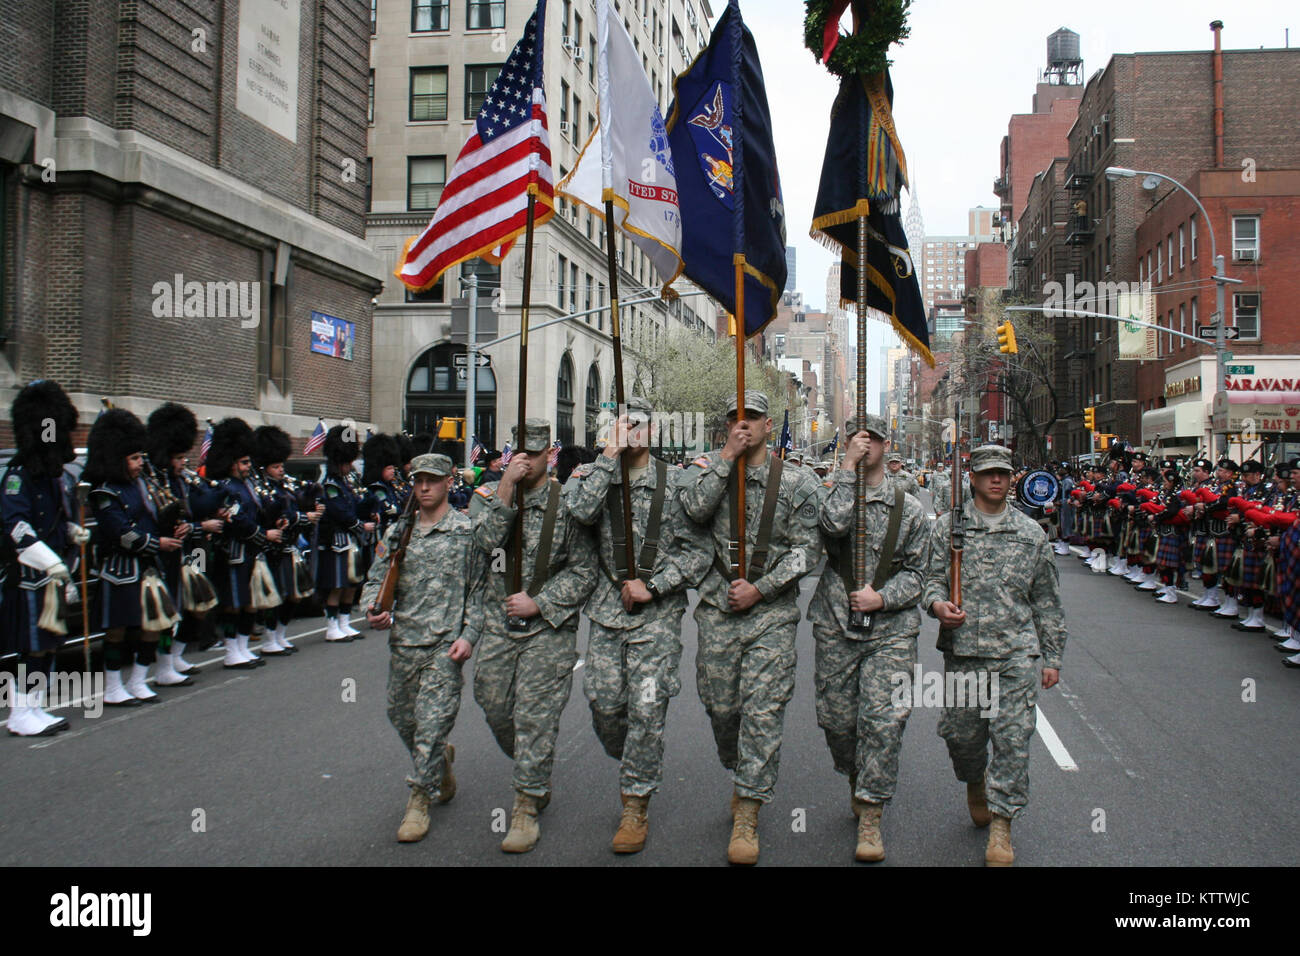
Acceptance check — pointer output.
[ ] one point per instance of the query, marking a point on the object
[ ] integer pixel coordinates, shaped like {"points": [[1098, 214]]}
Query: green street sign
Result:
{"points": [[1240, 369], [1227, 357]]}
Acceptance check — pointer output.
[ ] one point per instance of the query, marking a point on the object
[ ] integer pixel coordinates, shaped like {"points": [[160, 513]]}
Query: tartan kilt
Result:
{"points": [[1268, 582], [1150, 546], [1252, 567], [1139, 539], [1215, 557], [1169, 554]]}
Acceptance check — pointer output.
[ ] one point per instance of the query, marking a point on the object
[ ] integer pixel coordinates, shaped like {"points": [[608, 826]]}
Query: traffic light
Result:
{"points": [[1105, 441], [1007, 338], [814, 428], [1090, 418], [452, 429]]}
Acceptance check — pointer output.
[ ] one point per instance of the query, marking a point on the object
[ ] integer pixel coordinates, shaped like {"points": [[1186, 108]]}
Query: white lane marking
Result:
{"points": [[1053, 742], [219, 656]]}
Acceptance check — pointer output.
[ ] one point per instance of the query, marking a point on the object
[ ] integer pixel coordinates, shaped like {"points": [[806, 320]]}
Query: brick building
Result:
{"points": [[1255, 218], [1155, 111], [182, 204]]}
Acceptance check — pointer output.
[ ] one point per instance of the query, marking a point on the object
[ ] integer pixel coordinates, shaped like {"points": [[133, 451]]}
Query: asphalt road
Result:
{"points": [[1156, 760]]}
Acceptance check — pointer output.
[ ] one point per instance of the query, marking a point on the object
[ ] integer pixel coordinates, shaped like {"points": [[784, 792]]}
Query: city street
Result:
{"points": [[1146, 754]]}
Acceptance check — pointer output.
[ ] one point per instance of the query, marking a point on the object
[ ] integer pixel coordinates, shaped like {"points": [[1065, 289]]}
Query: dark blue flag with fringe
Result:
{"points": [[720, 131], [787, 441], [862, 173]]}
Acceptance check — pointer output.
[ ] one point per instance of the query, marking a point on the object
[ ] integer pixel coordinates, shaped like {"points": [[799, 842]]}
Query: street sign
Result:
{"points": [[1240, 369], [609, 405], [462, 360], [1212, 331]]}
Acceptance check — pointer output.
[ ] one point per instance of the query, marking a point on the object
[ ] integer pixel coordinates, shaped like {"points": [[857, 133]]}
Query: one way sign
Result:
{"points": [[1212, 331]]}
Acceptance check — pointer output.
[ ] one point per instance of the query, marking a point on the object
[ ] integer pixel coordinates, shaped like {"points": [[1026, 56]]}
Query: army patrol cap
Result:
{"points": [[537, 435], [875, 424], [990, 458], [755, 401], [436, 466], [894, 457], [638, 408]]}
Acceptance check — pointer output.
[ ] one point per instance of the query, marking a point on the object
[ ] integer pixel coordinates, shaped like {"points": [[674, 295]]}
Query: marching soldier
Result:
{"points": [[343, 529], [133, 605], [1010, 616], [636, 614], [437, 607], [897, 473], [745, 665], [855, 665], [525, 667], [36, 532]]}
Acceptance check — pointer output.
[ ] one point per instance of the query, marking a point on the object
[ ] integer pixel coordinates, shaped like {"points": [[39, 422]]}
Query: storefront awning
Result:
{"points": [[1256, 412], [1166, 426]]}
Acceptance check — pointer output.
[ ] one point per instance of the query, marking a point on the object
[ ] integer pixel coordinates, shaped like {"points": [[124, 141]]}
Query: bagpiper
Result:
{"points": [[382, 465], [342, 531]]}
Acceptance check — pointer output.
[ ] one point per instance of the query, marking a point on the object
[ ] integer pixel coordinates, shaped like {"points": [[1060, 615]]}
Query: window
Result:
{"points": [[489, 276], [577, 119], [427, 15], [434, 294], [425, 177], [1182, 325], [1169, 336], [428, 94], [485, 15], [1193, 237], [1169, 253], [370, 102], [564, 401], [1195, 318], [478, 80], [1182, 255], [374, 13], [564, 107], [1245, 238], [1150, 274], [1160, 263], [564, 270], [587, 304], [591, 60], [1245, 314], [573, 287], [564, 23], [370, 182], [593, 402]]}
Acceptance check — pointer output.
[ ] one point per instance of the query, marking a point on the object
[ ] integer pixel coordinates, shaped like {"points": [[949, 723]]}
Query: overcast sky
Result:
{"points": [[957, 79]]}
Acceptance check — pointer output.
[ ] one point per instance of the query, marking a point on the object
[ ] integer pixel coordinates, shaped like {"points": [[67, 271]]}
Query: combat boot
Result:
{"points": [[416, 822], [634, 825], [743, 847], [447, 789], [977, 802], [999, 852], [871, 849], [524, 832]]}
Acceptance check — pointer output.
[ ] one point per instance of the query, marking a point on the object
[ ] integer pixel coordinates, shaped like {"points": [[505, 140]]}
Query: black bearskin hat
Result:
{"points": [[407, 444], [270, 445], [232, 439], [337, 449], [115, 434], [173, 430], [379, 451], [38, 404]]}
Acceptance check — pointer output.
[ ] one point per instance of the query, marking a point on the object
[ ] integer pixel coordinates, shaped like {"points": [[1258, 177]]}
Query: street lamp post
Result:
{"points": [[1220, 341]]}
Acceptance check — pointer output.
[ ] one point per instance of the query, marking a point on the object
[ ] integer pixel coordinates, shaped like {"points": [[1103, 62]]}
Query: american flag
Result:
{"points": [[206, 444], [484, 205], [505, 455], [316, 440], [554, 456], [475, 451]]}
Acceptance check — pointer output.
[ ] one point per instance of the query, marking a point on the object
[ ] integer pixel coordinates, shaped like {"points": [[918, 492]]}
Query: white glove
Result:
{"points": [[77, 534], [42, 557]]}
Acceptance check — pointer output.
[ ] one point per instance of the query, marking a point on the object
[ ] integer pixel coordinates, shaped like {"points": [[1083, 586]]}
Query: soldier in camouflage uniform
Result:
{"points": [[857, 673], [897, 473], [745, 665], [525, 667], [941, 490], [1010, 616], [437, 607], [636, 618]]}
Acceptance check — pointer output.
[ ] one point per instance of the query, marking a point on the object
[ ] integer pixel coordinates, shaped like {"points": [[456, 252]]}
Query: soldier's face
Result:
{"points": [[241, 468], [276, 470], [536, 464], [178, 464], [389, 473], [1223, 474], [992, 484], [134, 465], [759, 423], [1252, 478], [431, 492], [1200, 474]]}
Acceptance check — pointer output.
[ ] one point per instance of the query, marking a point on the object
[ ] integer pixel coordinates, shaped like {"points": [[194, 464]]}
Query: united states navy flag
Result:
{"points": [[862, 174], [720, 131]]}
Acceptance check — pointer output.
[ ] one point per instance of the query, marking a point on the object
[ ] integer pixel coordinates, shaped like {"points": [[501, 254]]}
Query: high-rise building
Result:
{"points": [[789, 269], [431, 65]]}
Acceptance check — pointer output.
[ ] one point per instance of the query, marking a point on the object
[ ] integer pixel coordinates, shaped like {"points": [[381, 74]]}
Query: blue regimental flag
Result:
{"points": [[720, 131], [835, 443], [862, 173], [787, 442]]}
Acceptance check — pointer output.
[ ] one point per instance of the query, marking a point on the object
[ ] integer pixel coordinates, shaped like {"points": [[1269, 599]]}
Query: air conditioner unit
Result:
{"points": [[645, 22], [568, 44], [1243, 255], [1108, 268], [661, 53], [578, 55], [1096, 131], [1043, 277], [1033, 244], [1096, 399], [1105, 117], [564, 128]]}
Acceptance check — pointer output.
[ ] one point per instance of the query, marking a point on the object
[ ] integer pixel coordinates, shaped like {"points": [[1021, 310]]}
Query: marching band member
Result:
{"points": [[37, 531], [133, 605], [382, 463], [1170, 527], [338, 569], [1250, 559], [1215, 543]]}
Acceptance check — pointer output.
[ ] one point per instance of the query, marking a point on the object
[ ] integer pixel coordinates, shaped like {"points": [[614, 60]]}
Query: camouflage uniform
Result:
{"points": [[745, 666], [632, 659], [855, 673], [904, 477], [439, 600], [1011, 596], [522, 679]]}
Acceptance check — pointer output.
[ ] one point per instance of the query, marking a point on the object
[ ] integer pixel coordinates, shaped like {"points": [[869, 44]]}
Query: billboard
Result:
{"points": [[332, 336]]}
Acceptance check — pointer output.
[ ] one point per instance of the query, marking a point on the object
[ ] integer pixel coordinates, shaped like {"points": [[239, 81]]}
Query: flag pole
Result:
{"points": [[856, 618], [516, 575], [615, 331], [739, 260]]}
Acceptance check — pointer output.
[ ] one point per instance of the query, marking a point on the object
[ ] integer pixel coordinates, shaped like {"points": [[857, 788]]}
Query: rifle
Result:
{"points": [[957, 534], [383, 602]]}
